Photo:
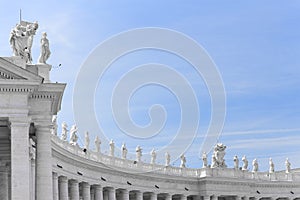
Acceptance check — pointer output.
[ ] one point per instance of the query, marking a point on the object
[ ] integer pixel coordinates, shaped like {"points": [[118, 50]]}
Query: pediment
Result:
{"points": [[10, 71]]}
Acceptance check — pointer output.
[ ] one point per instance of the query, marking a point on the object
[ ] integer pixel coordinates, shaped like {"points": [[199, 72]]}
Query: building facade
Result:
{"points": [[37, 164]]}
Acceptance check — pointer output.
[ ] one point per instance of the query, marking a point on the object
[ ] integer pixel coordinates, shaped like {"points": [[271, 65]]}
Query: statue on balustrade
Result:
{"points": [[153, 156], [236, 162], [124, 151], [271, 164], [167, 158], [64, 131], [138, 151], [287, 166], [254, 165], [86, 140], [204, 160], [97, 144], [182, 161], [73, 135], [54, 125], [218, 156], [45, 50], [32, 149], [21, 39], [112, 148], [245, 163]]}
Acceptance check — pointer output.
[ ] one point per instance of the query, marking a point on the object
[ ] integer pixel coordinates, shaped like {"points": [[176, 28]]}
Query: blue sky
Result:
{"points": [[254, 44]]}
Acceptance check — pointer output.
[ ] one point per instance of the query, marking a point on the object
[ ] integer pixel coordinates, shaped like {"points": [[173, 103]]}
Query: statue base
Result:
{"points": [[40, 69]]}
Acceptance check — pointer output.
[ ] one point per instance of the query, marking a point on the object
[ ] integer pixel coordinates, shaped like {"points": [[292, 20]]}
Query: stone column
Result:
{"points": [[86, 191], [74, 189], [63, 188], [238, 198], [153, 196], [111, 193], [214, 197], [206, 197], [55, 185], [139, 195], [32, 178], [105, 195], [197, 197], [125, 194], [92, 193], [43, 160], [20, 180], [4, 183], [183, 197], [98, 192], [168, 197]]}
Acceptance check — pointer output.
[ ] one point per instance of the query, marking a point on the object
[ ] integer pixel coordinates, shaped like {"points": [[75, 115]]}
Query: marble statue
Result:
{"points": [[153, 156], [73, 135], [112, 148], [32, 149], [27, 56], [218, 156], [124, 151], [21, 39], [254, 165], [64, 131], [245, 163], [45, 50], [204, 160], [182, 161], [54, 125], [97, 144], [138, 151], [214, 161], [271, 166], [287, 166], [86, 140], [236, 162], [167, 158]]}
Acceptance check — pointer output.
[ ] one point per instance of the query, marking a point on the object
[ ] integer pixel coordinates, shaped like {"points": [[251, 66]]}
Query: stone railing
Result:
{"points": [[140, 167]]}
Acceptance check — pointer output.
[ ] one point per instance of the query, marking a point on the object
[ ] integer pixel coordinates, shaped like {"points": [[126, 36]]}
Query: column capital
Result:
{"points": [[62, 178], [73, 181], [19, 121], [85, 184]]}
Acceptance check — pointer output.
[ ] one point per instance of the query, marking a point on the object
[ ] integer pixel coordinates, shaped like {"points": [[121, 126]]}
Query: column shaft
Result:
{"points": [[43, 163], [214, 197], [168, 197], [20, 180], [74, 190], [86, 191], [139, 195], [63, 188], [125, 195], [207, 197], [98, 192], [111, 194], [55, 185], [105, 195], [183, 197], [153, 196]]}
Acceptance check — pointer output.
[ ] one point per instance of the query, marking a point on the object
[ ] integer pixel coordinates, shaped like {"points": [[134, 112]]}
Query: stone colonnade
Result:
{"points": [[72, 189]]}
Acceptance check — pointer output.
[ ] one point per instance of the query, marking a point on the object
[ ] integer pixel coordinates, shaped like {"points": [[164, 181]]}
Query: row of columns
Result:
{"points": [[64, 189]]}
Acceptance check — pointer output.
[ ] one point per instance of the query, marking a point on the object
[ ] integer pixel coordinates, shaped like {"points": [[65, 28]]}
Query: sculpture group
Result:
{"points": [[21, 40]]}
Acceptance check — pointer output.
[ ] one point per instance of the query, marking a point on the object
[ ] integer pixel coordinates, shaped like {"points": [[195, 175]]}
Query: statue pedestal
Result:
{"points": [[44, 71]]}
